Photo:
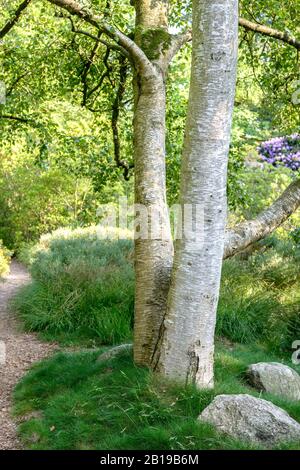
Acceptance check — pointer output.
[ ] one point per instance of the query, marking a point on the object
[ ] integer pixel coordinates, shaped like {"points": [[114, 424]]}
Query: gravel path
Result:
{"points": [[21, 351]]}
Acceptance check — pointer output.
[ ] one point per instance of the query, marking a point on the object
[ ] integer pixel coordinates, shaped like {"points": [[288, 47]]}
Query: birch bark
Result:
{"points": [[186, 351], [153, 256]]}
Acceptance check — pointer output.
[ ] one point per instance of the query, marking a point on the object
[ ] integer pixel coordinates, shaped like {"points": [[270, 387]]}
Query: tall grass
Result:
{"points": [[82, 288], [71, 401], [260, 297]]}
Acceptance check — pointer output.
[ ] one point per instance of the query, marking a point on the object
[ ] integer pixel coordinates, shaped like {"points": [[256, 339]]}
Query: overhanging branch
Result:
{"points": [[251, 231], [271, 32]]}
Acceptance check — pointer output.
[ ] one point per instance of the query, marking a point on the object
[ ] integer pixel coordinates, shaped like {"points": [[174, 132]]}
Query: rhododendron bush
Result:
{"points": [[282, 151]]}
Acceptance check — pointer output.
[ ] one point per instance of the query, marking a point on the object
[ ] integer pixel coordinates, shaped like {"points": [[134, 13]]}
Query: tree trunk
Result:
{"points": [[153, 256], [186, 350]]}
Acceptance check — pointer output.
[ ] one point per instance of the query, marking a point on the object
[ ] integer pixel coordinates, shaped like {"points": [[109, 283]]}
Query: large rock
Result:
{"points": [[275, 378], [251, 419]]}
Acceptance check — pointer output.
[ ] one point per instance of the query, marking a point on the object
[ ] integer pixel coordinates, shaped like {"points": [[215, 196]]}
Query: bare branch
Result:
{"points": [[250, 26], [271, 32], [250, 231], [115, 118], [15, 118], [10, 24]]}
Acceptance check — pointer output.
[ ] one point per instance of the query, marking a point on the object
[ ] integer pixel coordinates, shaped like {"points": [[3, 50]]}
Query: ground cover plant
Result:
{"points": [[71, 401]]}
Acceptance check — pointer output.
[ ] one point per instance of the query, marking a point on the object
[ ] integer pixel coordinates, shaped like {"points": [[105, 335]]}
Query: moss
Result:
{"points": [[153, 41]]}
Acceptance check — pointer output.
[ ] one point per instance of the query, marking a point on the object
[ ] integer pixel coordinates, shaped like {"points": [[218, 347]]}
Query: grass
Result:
{"points": [[82, 293], [72, 402], [260, 297], [82, 290], [4, 260]]}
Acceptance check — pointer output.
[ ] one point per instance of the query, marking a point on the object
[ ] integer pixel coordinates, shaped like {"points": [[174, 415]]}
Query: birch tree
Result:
{"points": [[187, 348], [174, 327]]}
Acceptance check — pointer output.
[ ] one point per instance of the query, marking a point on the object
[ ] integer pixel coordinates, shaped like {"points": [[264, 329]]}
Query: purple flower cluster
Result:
{"points": [[282, 151]]}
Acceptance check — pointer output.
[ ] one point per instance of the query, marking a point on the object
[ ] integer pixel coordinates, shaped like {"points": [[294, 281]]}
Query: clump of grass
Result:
{"points": [[83, 404], [82, 289]]}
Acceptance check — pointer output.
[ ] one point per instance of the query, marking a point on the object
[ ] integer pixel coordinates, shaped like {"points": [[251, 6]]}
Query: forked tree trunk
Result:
{"points": [[153, 256], [186, 351]]}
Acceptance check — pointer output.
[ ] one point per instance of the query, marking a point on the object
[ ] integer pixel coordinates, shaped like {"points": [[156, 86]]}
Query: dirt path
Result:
{"points": [[21, 351]]}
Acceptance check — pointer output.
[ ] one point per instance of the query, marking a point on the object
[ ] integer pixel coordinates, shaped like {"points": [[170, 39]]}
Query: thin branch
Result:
{"points": [[15, 118], [103, 76], [97, 39], [248, 232], [15, 83], [270, 32], [256, 28], [115, 118], [10, 24]]}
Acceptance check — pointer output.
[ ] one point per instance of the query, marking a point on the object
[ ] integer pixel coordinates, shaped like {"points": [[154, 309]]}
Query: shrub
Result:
{"points": [[82, 287], [4, 260], [295, 236], [282, 151], [35, 200]]}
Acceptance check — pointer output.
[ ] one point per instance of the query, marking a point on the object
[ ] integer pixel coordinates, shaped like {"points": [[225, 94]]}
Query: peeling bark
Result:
{"points": [[186, 351]]}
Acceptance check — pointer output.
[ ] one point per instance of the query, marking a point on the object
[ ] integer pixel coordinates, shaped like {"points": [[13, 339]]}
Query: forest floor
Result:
{"points": [[22, 349]]}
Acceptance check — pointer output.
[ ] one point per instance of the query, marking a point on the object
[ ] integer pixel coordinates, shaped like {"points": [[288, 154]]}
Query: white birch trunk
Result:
{"points": [[186, 352], [153, 256]]}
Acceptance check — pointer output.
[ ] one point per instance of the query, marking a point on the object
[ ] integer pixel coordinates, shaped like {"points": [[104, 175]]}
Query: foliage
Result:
{"points": [[5, 255], [33, 201], [77, 403], [67, 102], [282, 151], [82, 288], [295, 236], [273, 66], [262, 184]]}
